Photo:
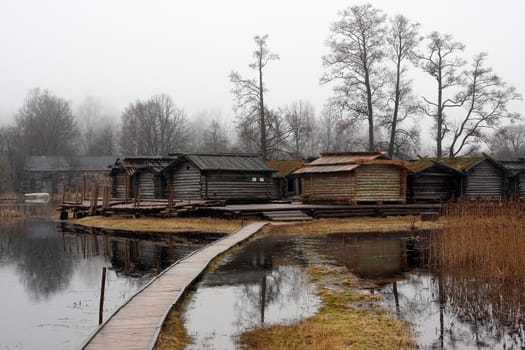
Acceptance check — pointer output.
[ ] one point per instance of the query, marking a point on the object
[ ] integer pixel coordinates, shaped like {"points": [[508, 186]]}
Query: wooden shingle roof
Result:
{"points": [[229, 162], [285, 166]]}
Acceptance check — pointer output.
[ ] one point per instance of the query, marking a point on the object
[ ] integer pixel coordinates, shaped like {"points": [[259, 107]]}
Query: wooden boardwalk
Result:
{"points": [[137, 324]]}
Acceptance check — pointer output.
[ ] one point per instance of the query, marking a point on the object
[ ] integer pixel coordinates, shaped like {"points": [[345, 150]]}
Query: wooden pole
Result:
{"points": [[84, 188], [101, 304]]}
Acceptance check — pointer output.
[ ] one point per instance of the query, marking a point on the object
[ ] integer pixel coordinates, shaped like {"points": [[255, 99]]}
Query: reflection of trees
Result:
{"points": [[37, 250]]}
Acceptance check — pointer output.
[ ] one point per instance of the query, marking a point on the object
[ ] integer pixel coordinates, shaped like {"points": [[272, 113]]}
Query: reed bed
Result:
{"points": [[479, 255], [21, 210], [487, 235]]}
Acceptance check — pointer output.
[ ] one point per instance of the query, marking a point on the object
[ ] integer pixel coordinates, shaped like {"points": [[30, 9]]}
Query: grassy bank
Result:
{"points": [[318, 226], [161, 224], [347, 319]]}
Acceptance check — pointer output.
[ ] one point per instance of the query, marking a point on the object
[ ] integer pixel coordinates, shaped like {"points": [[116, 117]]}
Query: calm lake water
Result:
{"points": [[51, 274], [265, 283]]}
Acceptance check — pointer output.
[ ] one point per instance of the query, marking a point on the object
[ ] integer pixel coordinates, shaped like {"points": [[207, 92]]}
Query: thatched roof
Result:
{"points": [[285, 166]]}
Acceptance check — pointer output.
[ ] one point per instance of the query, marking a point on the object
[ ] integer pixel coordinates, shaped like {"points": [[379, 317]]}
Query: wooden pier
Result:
{"points": [[136, 325]]}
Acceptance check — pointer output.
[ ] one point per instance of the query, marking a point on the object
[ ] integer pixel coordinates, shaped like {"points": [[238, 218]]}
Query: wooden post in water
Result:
{"points": [[170, 199], [101, 304], [84, 188]]}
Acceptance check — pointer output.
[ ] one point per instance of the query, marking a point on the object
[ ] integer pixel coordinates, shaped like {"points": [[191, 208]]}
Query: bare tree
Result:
{"points": [[154, 127], [249, 93], [508, 142], [335, 133], [402, 39], [214, 139], [10, 150], [356, 46], [97, 128], [440, 60], [276, 133], [46, 125], [485, 97], [300, 118]]}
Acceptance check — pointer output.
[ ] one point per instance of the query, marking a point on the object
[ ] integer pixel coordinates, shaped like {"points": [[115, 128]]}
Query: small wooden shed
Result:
{"points": [[482, 177], [353, 177], [285, 182], [229, 177], [133, 175], [516, 177], [431, 181]]}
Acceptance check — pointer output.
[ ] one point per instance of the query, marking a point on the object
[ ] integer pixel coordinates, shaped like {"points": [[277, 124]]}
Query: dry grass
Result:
{"points": [[358, 225], [346, 320], [174, 335], [161, 224], [489, 236]]}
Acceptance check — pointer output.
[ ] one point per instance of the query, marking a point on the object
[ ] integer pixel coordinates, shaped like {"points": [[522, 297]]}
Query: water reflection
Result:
{"points": [[51, 278], [263, 283]]}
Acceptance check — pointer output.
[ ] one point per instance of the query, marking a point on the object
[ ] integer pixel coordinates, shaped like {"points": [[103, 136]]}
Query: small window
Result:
{"points": [[254, 179], [187, 167], [261, 179]]}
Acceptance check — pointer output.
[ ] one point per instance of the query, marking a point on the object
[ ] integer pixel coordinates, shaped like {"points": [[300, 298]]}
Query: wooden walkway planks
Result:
{"points": [[136, 325]]}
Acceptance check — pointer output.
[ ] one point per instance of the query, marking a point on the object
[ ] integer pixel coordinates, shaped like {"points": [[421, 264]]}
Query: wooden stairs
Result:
{"points": [[286, 215]]}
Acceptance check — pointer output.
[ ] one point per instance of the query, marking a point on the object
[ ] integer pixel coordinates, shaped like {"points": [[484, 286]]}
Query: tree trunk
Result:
{"points": [[262, 119], [396, 110], [370, 113], [439, 121]]}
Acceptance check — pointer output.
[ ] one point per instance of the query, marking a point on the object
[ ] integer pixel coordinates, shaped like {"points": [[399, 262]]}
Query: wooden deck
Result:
{"points": [[136, 325]]}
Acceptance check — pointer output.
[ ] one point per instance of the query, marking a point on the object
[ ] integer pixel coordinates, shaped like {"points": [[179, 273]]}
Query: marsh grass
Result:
{"points": [[479, 255], [161, 224], [347, 319], [11, 211], [489, 236], [359, 225]]}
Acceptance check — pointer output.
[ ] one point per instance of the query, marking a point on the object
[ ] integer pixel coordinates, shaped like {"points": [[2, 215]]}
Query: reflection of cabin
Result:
{"points": [[285, 183], [132, 175], [430, 181], [230, 177], [482, 177], [353, 177], [516, 176], [51, 173]]}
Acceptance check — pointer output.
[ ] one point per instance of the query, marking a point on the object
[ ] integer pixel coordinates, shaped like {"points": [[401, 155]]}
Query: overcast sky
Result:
{"points": [[119, 51]]}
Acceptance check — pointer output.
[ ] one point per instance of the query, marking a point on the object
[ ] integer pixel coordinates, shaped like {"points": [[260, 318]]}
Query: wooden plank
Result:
{"points": [[137, 324]]}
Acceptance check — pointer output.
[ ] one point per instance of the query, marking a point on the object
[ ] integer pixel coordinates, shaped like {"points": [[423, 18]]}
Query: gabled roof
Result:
{"points": [[347, 161], [131, 165], [346, 157], [228, 162], [284, 166], [423, 164], [458, 164], [514, 166], [62, 163]]}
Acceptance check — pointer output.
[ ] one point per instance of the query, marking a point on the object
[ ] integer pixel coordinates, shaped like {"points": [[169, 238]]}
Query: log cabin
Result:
{"points": [[229, 177], [132, 176], [51, 174], [285, 183], [481, 177], [431, 181], [352, 178], [516, 177]]}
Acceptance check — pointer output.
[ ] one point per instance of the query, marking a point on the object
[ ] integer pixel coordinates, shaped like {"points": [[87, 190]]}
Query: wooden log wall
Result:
{"points": [[236, 186], [434, 185], [333, 188], [380, 183], [484, 181], [186, 182], [521, 185]]}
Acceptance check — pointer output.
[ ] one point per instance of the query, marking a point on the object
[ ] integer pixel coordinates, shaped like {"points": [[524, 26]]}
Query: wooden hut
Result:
{"points": [[133, 175], [482, 177], [52, 174], [430, 181], [353, 177], [516, 177], [285, 183], [229, 177]]}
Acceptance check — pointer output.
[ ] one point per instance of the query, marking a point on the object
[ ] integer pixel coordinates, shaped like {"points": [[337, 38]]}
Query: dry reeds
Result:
{"points": [[481, 263], [487, 235]]}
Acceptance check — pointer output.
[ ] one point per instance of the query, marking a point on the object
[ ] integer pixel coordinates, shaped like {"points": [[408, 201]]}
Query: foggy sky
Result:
{"points": [[119, 51]]}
